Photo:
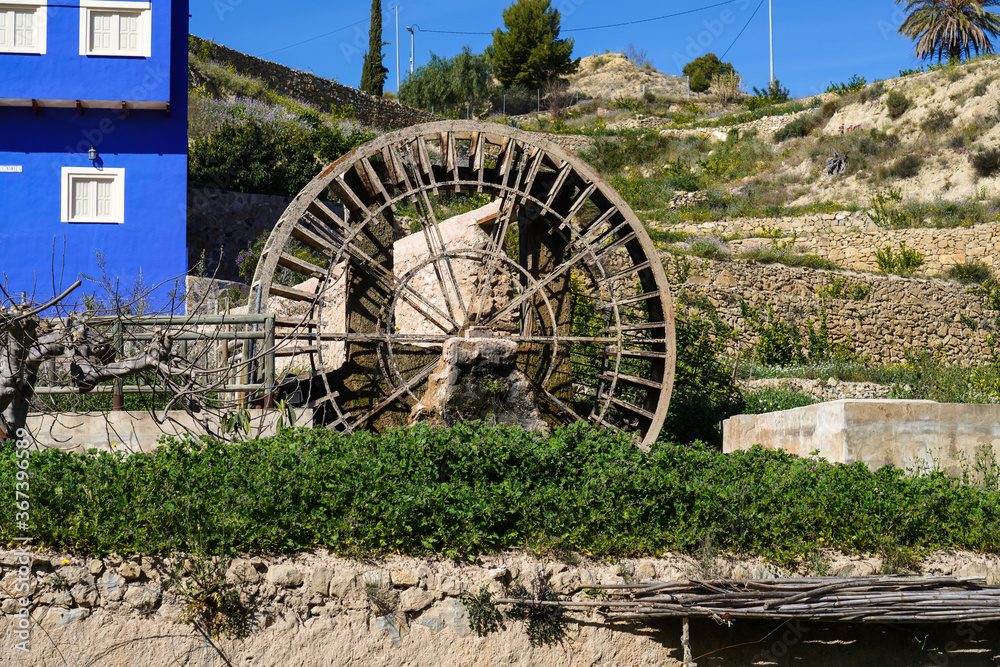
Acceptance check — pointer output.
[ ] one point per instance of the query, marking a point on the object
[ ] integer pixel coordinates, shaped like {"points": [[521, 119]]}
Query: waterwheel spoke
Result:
{"points": [[405, 387], [435, 245], [495, 246], [615, 367]]}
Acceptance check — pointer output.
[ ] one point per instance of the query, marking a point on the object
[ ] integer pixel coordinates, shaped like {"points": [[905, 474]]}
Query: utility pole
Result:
{"points": [[770, 21], [397, 49], [410, 28]]}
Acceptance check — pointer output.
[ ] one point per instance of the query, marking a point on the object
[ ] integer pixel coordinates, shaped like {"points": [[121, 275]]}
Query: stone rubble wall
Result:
{"points": [[765, 127], [850, 239], [221, 224], [316, 609], [899, 315], [320, 92], [821, 390]]}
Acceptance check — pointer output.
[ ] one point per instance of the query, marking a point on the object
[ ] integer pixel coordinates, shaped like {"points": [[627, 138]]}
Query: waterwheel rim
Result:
{"points": [[614, 341]]}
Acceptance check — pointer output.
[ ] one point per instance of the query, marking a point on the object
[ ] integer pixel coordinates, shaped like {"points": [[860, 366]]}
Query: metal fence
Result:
{"points": [[230, 354]]}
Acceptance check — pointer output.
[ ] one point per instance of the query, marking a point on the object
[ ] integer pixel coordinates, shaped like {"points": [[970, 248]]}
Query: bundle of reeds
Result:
{"points": [[885, 599]]}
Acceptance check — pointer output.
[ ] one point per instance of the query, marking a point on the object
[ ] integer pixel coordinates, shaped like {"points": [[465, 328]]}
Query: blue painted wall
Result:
{"points": [[63, 74], [149, 145]]}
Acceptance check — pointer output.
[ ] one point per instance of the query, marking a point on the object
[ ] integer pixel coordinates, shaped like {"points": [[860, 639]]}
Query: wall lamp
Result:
{"points": [[92, 153]]}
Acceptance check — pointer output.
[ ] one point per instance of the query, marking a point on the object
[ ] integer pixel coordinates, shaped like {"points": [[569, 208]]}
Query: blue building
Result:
{"points": [[93, 142]]}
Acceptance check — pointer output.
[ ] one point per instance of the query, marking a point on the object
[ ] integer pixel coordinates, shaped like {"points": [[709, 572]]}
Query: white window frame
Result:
{"points": [[143, 9], [117, 178], [39, 24]]}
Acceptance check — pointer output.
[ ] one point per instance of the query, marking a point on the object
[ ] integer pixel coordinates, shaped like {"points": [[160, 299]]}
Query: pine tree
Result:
{"points": [[372, 71], [530, 52]]}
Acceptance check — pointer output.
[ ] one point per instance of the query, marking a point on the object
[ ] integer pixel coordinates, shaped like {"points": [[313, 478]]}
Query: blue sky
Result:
{"points": [[814, 43]]}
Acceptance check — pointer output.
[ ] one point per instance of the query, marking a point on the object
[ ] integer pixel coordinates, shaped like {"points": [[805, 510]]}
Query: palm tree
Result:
{"points": [[949, 28]]}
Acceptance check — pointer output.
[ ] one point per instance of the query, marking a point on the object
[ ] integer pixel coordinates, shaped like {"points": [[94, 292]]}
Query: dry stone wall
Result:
{"points": [[221, 224], [322, 93], [850, 239], [315, 609], [897, 315]]}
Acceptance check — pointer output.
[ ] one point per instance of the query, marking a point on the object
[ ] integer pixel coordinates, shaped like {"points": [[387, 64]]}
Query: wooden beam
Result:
{"points": [[35, 107], [125, 109], [79, 108]]}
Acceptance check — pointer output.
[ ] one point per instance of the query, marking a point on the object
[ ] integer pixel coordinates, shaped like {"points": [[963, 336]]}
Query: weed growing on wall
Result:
{"points": [[209, 600], [544, 624], [903, 262], [484, 617]]}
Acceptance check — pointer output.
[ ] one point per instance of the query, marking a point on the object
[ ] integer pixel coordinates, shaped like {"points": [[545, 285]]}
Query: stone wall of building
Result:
{"points": [[316, 609], [895, 315], [323, 93]]}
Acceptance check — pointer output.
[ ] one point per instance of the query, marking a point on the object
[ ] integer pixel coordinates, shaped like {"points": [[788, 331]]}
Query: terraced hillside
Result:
{"points": [[885, 274]]}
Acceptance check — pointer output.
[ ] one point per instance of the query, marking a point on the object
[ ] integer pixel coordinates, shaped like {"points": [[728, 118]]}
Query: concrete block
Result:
{"points": [[909, 434]]}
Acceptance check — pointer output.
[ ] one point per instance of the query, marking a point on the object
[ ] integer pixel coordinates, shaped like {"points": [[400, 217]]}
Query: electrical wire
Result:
{"points": [[602, 27], [312, 39], [655, 18], [759, 5]]}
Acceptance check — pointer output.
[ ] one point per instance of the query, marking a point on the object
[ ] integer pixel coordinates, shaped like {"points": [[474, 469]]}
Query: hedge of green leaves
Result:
{"points": [[475, 489]]}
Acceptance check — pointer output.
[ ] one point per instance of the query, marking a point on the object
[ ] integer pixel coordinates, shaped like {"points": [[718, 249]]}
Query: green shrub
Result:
{"points": [[704, 391], [627, 103], [897, 103], [799, 127], [907, 166], [474, 489], [990, 292], [769, 254], [970, 272], [905, 262], [775, 93], [986, 162], [872, 92], [884, 211], [710, 247], [980, 88], [268, 158], [937, 121], [772, 399], [855, 84], [839, 289]]}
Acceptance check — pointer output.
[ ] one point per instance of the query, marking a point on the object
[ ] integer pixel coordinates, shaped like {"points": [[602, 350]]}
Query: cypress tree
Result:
{"points": [[372, 72]]}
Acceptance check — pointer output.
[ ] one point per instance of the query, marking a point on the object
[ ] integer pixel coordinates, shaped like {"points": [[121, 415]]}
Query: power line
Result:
{"points": [[312, 39], [759, 5], [602, 27], [655, 18], [455, 32]]}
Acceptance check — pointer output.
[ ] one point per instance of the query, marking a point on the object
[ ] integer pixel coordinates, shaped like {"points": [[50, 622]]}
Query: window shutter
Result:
{"points": [[100, 31], [104, 189], [24, 33], [129, 32], [81, 198], [4, 41]]}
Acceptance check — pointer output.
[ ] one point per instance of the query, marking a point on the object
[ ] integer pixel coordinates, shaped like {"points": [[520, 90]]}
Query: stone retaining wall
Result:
{"points": [[315, 609], [850, 239], [821, 390], [323, 93], [898, 315], [221, 224]]}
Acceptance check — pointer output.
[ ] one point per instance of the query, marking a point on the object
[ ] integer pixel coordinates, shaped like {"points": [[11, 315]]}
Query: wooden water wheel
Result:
{"points": [[369, 273]]}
